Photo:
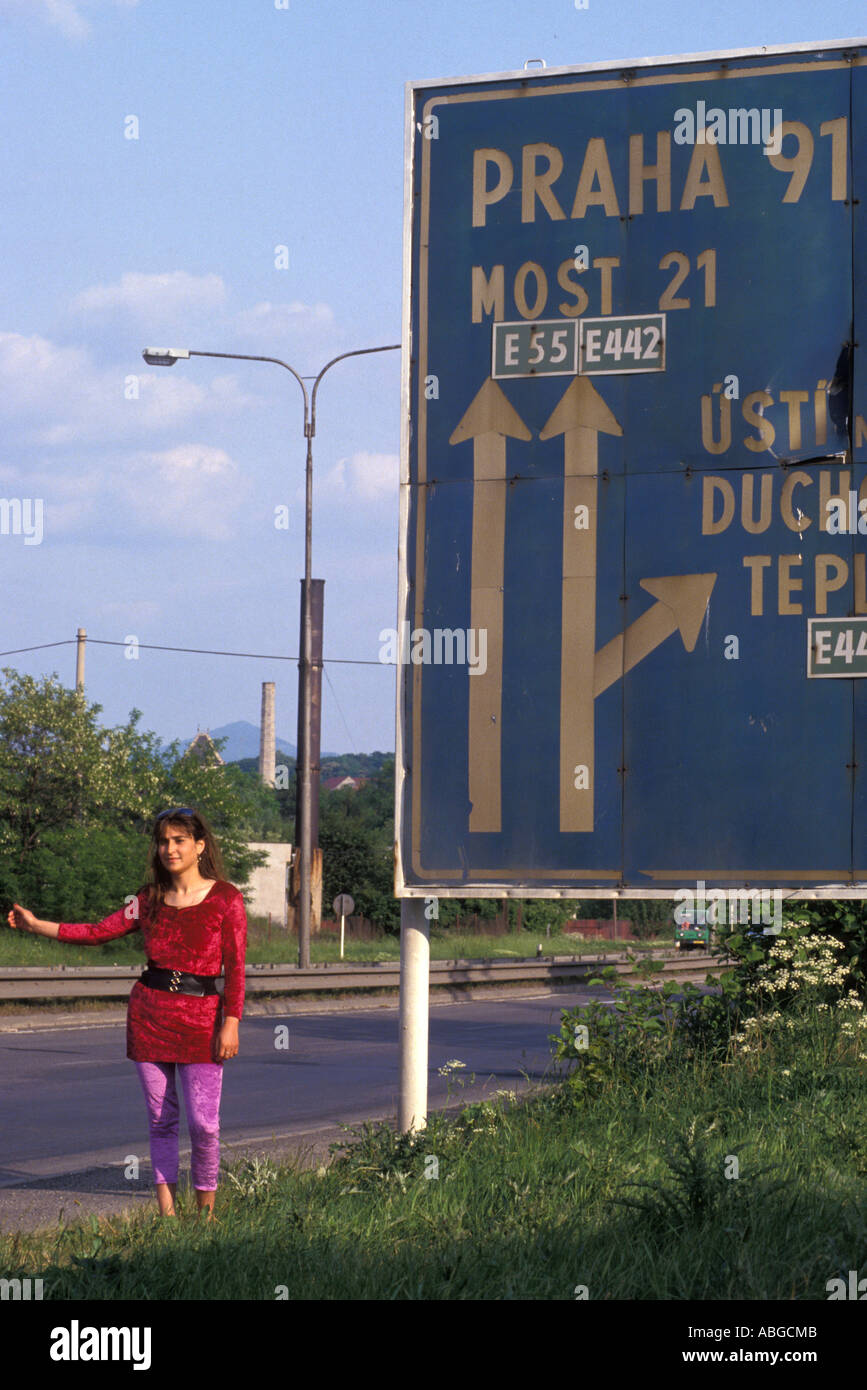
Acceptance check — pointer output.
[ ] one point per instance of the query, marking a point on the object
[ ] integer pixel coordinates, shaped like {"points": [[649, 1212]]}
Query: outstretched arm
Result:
{"points": [[119, 923], [21, 919]]}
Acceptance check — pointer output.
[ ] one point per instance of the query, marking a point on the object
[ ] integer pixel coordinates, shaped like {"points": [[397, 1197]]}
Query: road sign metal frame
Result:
{"points": [[458, 886]]}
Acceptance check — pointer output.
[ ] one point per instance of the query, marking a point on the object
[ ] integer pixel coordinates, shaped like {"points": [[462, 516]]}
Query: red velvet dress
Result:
{"points": [[206, 939]]}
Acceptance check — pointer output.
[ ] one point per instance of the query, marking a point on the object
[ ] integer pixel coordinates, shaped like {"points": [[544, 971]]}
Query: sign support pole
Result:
{"points": [[414, 996]]}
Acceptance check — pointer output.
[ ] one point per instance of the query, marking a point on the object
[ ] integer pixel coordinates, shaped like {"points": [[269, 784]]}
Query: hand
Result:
{"points": [[21, 919], [227, 1041]]}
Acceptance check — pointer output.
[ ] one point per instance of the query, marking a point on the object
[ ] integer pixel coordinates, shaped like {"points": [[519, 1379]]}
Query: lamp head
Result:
{"points": [[164, 357]]}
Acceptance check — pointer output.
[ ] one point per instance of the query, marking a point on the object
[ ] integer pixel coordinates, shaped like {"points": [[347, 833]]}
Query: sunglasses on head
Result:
{"points": [[177, 811]]}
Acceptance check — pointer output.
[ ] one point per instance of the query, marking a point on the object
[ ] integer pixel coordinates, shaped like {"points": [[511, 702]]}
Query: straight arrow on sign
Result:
{"points": [[488, 421], [580, 416]]}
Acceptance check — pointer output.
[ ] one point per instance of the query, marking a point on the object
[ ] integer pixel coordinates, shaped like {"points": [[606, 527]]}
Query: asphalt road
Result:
{"points": [[73, 1116]]}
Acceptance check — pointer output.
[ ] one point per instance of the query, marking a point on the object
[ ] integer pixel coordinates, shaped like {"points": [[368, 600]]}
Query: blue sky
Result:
{"points": [[257, 127]]}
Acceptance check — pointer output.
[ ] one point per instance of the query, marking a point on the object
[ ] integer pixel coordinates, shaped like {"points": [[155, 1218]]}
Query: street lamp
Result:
{"points": [[167, 357], [163, 357]]}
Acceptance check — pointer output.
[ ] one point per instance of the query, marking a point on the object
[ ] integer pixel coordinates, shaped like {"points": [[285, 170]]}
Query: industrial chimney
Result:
{"points": [[267, 742]]}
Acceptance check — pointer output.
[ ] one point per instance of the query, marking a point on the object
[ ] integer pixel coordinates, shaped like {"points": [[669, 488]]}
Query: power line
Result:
{"points": [[43, 646], [195, 651], [342, 715]]}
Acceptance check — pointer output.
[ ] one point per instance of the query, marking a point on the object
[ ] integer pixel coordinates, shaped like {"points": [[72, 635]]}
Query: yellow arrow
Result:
{"points": [[682, 601], [488, 420], [580, 416]]}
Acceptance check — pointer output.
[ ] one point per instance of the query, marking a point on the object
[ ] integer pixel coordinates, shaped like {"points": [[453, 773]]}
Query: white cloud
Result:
{"points": [[174, 308], [191, 490], [65, 15], [62, 14], [71, 499], [272, 322], [364, 477], [32, 367], [58, 396], [155, 297]]}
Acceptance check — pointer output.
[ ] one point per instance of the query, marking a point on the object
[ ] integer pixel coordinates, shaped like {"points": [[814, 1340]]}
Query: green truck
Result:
{"points": [[689, 931]]}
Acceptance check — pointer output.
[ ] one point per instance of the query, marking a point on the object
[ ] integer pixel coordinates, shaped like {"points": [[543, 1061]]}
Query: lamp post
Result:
{"points": [[167, 357]]}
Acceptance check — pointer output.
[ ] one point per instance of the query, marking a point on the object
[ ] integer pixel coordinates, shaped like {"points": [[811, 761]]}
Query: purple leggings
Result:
{"points": [[202, 1083]]}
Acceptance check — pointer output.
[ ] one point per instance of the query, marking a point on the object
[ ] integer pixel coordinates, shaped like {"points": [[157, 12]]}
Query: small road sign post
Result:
{"points": [[634, 494], [343, 907]]}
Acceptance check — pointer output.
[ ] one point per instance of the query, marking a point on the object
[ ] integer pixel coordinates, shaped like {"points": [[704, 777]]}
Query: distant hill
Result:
{"points": [[242, 745], [242, 741]]}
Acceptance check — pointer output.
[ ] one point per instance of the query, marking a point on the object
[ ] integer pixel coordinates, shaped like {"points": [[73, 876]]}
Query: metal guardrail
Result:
{"points": [[116, 981]]}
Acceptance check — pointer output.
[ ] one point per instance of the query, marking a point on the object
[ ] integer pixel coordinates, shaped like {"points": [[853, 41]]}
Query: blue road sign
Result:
{"points": [[634, 458]]}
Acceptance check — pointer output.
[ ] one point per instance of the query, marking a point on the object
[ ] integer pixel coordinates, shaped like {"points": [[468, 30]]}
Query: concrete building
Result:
{"points": [[267, 887]]}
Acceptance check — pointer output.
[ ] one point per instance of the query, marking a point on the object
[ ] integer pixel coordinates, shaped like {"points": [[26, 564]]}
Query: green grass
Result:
{"points": [[448, 945], [22, 948], [530, 1200]]}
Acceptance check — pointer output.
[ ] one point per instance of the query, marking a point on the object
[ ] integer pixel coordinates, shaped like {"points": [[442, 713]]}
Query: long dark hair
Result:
{"points": [[210, 863]]}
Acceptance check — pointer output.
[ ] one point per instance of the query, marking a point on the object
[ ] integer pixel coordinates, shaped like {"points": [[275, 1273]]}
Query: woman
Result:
{"points": [[194, 925]]}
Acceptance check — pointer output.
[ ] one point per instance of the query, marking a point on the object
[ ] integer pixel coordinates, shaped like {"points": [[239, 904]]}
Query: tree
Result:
{"points": [[353, 862], [57, 766], [77, 801], [356, 836]]}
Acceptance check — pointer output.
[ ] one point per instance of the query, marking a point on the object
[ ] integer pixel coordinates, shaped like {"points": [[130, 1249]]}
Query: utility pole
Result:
{"points": [[79, 660], [310, 680]]}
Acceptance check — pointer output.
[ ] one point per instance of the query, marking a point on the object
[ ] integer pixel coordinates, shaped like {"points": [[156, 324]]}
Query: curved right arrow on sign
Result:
{"points": [[580, 417], [682, 601]]}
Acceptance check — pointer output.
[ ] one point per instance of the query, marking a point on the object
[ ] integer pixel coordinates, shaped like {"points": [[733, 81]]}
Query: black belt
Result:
{"points": [[178, 981]]}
